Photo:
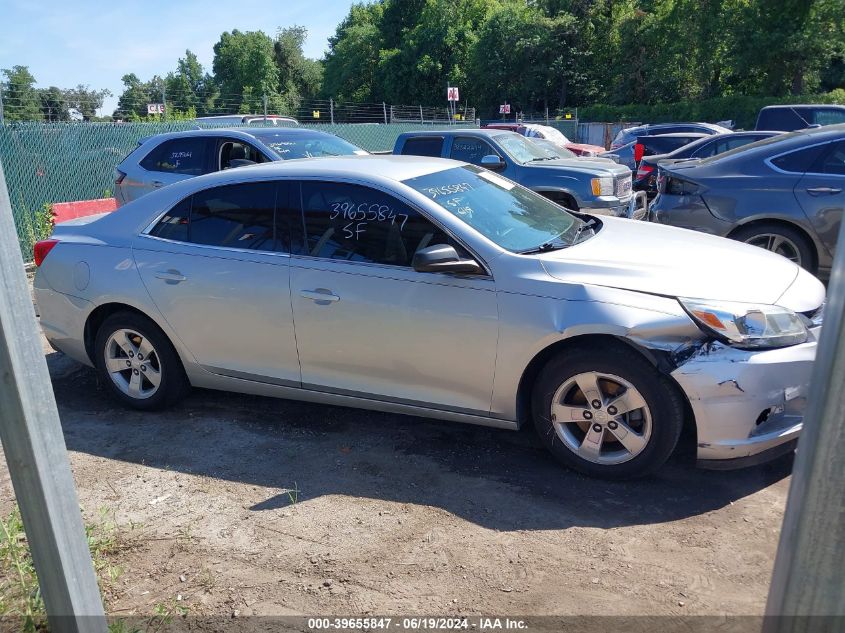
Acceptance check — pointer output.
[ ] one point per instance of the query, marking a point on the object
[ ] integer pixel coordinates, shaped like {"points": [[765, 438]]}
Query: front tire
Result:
{"points": [[137, 362], [607, 412]]}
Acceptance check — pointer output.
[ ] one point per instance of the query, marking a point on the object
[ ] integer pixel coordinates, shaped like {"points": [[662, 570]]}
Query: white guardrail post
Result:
{"points": [[807, 593], [36, 454]]}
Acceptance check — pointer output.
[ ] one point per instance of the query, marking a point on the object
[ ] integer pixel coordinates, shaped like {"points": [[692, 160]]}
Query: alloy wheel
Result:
{"points": [[776, 243], [601, 417], [133, 364]]}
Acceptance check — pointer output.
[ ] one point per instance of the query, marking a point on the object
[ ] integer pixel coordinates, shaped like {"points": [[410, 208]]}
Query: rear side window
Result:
{"points": [[834, 161], [174, 224], [799, 161], [236, 216], [178, 156], [358, 224], [784, 119], [423, 146]]}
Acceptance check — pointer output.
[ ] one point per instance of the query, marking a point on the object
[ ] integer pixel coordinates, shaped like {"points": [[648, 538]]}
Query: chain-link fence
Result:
{"points": [[64, 162]]}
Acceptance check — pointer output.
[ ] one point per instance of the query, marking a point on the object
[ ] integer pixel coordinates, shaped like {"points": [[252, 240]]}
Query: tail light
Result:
{"points": [[118, 176], [644, 171], [639, 151], [41, 249]]}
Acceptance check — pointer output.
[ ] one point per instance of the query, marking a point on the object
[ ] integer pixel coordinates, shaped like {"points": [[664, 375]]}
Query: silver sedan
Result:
{"points": [[436, 288]]}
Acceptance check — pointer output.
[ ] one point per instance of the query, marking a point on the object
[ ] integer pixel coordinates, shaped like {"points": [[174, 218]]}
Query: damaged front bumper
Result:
{"points": [[748, 404]]}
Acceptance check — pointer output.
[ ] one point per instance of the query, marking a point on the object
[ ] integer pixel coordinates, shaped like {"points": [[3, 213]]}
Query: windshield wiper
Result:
{"points": [[543, 158], [545, 247]]}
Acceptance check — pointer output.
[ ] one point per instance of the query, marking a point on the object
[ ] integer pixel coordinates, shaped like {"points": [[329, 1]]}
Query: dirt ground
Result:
{"points": [[236, 505]]}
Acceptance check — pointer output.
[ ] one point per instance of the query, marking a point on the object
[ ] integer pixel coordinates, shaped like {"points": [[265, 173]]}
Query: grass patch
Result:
{"points": [[20, 595]]}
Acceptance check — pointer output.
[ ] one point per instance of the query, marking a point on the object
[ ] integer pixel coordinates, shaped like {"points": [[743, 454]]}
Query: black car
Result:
{"points": [[787, 118], [628, 135], [785, 194], [646, 176], [631, 154]]}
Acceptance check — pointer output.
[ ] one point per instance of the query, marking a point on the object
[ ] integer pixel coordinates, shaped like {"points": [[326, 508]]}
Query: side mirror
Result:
{"points": [[443, 258], [491, 161]]}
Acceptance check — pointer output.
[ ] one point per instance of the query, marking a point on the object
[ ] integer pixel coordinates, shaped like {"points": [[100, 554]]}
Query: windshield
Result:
{"points": [[557, 150], [513, 217], [522, 150], [288, 146]]}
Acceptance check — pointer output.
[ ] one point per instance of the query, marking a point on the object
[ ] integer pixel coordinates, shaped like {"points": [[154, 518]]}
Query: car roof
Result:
{"points": [[782, 106], [257, 132], [677, 135], [378, 166], [462, 130]]}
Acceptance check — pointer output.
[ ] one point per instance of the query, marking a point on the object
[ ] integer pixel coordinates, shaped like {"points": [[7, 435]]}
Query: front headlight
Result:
{"points": [[602, 186], [748, 325]]}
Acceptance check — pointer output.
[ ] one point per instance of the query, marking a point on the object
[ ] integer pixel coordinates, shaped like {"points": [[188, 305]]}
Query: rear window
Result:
{"points": [[423, 146], [785, 119], [186, 155]]}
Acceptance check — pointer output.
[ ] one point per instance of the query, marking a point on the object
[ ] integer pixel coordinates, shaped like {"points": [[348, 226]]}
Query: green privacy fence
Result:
{"points": [[64, 162]]}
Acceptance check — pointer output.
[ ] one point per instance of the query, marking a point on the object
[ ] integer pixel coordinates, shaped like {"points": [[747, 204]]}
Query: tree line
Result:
{"points": [[533, 54]]}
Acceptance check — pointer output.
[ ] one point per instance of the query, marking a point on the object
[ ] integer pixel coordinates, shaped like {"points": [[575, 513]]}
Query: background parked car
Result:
{"points": [[603, 188], [629, 135], [543, 131], [646, 145], [645, 178], [245, 119], [167, 158], [787, 118], [785, 194]]}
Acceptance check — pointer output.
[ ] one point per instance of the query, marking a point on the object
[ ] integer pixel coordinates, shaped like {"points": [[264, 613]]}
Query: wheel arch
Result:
{"points": [[563, 197], [659, 359], [103, 311], [815, 245]]}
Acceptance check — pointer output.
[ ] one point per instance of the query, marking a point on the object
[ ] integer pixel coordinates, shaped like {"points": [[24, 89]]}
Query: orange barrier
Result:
{"points": [[64, 211]]}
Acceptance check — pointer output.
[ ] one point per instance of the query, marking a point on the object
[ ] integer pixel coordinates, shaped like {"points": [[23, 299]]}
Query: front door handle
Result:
{"points": [[320, 295], [170, 276], [820, 191], [157, 183]]}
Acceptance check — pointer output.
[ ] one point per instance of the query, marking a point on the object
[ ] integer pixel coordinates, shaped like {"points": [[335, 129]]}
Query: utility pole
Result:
{"points": [[807, 582], [36, 454]]}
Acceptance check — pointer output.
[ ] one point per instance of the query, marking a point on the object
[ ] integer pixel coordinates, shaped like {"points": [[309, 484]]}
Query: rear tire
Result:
{"points": [[780, 239], [137, 363], [607, 412]]}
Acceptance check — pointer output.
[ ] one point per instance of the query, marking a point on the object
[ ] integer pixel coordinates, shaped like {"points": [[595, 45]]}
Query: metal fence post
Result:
{"points": [[384, 108], [2, 119], [807, 577], [422, 120], [264, 99], [331, 110], [36, 454]]}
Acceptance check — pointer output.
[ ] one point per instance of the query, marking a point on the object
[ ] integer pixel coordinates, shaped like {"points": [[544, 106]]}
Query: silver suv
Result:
{"points": [[167, 158]]}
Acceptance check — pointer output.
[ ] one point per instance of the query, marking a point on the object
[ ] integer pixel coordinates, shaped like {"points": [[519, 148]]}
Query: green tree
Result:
{"points": [[85, 99], [53, 106], [20, 98], [135, 97], [245, 70], [190, 87], [349, 67]]}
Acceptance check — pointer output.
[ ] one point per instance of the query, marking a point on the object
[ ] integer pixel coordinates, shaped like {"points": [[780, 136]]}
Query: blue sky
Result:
{"points": [[96, 43]]}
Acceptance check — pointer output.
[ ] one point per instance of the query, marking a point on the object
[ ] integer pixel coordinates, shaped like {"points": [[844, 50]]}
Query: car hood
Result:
{"points": [[668, 261], [580, 165]]}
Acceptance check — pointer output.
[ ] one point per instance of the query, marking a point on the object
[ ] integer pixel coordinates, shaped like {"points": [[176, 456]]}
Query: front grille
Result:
{"points": [[622, 187]]}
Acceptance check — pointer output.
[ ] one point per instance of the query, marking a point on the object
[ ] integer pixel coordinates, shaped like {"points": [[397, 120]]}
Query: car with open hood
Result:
{"points": [[440, 289]]}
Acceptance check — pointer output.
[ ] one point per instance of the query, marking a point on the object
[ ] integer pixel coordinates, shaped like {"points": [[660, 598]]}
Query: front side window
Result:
{"points": [[470, 150], [358, 224], [178, 156], [234, 216], [509, 215], [830, 116], [238, 151]]}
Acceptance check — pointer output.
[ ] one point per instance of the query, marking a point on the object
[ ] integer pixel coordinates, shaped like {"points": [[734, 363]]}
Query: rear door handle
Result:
{"points": [[320, 295], [820, 191], [170, 276]]}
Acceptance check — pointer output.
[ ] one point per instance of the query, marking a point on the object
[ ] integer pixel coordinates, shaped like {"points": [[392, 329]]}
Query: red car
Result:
{"points": [[549, 133]]}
